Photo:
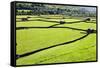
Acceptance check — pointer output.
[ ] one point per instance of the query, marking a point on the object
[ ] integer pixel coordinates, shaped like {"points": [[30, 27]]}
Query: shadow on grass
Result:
{"points": [[54, 57], [21, 28], [36, 51], [58, 22], [91, 22], [46, 17], [51, 21], [40, 20]]}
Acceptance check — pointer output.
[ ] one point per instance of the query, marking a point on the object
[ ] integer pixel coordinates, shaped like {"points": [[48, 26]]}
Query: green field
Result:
{"points": [[33, 39]]}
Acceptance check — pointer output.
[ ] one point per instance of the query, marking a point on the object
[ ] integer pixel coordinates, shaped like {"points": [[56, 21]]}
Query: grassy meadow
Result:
{"points": [[33, 39]]}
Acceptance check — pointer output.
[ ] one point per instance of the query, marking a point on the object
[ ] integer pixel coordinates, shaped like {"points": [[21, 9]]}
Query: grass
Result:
{"points": [[33, 39], [74, 52], [43, 38]]}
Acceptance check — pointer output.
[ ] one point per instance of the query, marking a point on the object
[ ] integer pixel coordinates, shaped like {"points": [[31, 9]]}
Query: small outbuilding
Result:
{"points": [[87, 19], [62, 22], [90, 30], [24, 19], [28, 17]]}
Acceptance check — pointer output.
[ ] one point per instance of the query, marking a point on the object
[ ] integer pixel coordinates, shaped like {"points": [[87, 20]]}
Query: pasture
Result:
{"points": [[42, 40]]}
